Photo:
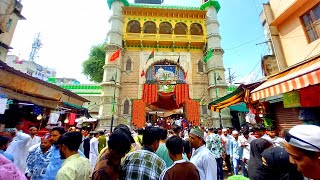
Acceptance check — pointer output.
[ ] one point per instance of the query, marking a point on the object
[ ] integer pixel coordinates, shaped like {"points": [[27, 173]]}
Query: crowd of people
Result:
{"points": [[158, 153]]}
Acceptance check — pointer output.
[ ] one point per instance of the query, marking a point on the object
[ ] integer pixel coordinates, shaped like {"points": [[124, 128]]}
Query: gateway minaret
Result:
{"points": [[112, 70], [215, 69]]}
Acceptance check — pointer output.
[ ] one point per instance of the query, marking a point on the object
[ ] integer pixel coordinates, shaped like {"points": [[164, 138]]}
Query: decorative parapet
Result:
{"points": [[125, 2], [209, 3], [82, 89], [164, 7]]}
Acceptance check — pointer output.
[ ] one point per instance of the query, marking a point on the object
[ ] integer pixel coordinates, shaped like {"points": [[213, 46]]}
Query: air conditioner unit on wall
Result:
{"points": [[148, 1]]}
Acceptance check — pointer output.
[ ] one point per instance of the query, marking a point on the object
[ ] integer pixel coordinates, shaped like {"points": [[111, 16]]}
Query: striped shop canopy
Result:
{"points": [[294, 78], [228, 100]]}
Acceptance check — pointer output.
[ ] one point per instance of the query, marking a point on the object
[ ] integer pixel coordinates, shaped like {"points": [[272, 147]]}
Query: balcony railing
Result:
{"points": [[164, 37]]}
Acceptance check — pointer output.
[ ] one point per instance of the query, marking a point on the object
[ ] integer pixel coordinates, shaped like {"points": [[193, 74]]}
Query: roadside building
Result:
{"points": [[291, 91], [10, 14]]}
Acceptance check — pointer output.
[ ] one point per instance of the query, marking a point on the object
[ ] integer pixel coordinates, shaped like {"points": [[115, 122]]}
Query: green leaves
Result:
{"points": [[93, 66]]}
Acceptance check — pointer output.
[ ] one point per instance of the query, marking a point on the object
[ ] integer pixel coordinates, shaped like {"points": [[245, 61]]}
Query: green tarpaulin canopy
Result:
{"points": [[73, 105], [241, 107]]}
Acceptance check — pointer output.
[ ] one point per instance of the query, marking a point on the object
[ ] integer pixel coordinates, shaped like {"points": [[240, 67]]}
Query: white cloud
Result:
{"points": [[68, 30]]}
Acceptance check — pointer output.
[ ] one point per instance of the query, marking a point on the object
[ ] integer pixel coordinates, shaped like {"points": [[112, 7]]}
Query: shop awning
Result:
{"points": [[36, 100], [294, 78], [23, 84], [241, 94], [228, 100], [73, 105], [241, 107]]}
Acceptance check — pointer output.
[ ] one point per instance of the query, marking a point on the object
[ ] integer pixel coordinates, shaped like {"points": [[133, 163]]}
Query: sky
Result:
{"points": [[70, 28]]}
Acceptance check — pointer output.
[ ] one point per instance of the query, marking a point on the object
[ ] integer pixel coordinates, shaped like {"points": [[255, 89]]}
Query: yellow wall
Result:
{"points": [[294, 41], [279, 6], [197, 41], [158, 20]]}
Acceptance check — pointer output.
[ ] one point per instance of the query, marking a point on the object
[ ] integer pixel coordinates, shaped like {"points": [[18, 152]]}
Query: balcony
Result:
{"points": [[164, 37]]}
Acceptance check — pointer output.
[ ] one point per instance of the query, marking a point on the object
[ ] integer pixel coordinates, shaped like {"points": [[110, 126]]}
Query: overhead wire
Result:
{"points": [[235, 47], [259, 61]]}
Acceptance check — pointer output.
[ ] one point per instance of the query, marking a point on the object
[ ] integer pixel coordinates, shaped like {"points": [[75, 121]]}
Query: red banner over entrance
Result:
{"points": [[182, 93], [168, 101], [150, 93]]}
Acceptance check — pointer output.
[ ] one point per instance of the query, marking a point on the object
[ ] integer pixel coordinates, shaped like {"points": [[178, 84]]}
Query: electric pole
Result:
{"points": [[231, 77]]}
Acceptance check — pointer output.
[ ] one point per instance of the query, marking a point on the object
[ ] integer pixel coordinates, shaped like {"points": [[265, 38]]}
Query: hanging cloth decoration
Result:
{"points": [[3, 105], [182, 93], [54, 117], [150, 93], [138, 113], [37, 110], [192, 111], [72, 118], [3, 102]]}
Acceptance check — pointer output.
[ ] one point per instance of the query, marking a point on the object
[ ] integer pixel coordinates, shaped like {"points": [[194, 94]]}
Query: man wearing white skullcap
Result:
{"points": [[235, 152], [226, 138], [202, 158], [303, 145]]}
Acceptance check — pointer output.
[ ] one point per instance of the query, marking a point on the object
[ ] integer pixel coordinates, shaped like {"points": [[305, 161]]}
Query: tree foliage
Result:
{"points": [[93, 66]]}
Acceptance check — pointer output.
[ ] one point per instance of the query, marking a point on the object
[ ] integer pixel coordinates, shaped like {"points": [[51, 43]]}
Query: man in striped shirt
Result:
{"points": [[145, 164]]}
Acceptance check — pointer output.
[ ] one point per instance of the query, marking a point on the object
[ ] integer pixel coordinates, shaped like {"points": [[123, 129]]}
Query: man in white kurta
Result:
{"points": [[19, 150], [34, 138], [93, 155], [202, 158]]}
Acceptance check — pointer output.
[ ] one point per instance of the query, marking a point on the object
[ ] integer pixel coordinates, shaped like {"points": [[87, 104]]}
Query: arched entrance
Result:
{"points": [[165, 94]]}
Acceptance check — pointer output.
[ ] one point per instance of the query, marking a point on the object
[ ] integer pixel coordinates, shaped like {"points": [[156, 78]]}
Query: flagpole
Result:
{"points": [[113, 102]]}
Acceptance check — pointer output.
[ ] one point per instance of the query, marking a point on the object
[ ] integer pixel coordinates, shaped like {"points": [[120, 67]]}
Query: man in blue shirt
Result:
{"points": [[235, 152], [38, 159], [4, 143], [55, 161]]}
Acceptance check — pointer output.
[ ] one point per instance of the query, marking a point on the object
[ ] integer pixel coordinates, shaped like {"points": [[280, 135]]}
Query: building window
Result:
{"points": [[8, 25], [29, 72], [311, 22], [200, 67], [128, 65], [126, 106], [204, 109]]}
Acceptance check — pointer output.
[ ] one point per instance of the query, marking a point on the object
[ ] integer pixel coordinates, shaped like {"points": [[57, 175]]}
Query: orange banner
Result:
{"points": [[192, 112], [150, 93], [182, 93], [138, 113]]}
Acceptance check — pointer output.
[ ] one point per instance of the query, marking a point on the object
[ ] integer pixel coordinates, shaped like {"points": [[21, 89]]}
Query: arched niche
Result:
{"points": [[200, 66], [133, 26], [128, 64], [180, 28], [196, 29], [126, 106], [150, 27], [204, 106], [165, 28]]}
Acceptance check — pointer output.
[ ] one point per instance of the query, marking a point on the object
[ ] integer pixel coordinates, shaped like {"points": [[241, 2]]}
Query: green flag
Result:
{"points": [[208, 56], [150, 56]]}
